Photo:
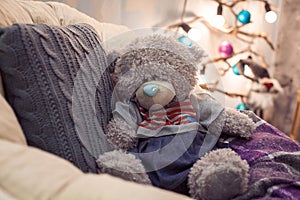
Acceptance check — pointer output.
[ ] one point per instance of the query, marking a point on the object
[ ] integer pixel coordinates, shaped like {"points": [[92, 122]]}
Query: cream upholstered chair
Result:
{"points": [[30, 173]]}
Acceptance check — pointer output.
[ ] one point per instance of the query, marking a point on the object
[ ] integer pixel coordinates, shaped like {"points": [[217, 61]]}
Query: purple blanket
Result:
{"points": [[274, 159]]}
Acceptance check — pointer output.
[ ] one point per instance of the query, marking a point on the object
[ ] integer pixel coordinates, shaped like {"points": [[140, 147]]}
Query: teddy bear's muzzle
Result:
{"points": [[155, 92]]}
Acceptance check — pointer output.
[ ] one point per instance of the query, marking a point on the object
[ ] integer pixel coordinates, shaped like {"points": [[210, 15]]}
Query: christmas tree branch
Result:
{"points": [[219, 59], [213, 88], [233, 95], [235, 2], [257, 35], [183, 10], [234, 31]]}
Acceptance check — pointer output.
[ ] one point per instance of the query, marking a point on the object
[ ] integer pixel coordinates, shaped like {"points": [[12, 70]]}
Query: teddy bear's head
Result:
{"points": [[156, 69]]}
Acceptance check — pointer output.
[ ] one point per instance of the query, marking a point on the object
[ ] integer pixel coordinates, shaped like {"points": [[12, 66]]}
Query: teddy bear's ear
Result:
{"points": [[112, 58]]}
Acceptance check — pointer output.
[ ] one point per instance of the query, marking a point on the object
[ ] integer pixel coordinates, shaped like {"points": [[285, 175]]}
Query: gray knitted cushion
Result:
{"points": [[56, 81]]}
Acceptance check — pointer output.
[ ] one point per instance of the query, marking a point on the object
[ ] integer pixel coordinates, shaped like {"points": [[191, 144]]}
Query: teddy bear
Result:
{"points": [[167, 131]]}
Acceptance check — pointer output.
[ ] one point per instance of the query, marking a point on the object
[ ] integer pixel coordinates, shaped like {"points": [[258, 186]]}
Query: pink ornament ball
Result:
{"points": [[225, 49]]}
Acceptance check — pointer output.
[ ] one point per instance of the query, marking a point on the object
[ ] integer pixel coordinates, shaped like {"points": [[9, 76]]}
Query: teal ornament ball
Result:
{"points": [[244, 17], [242, 106], [236, 69], [185, 40], [151, 90]]}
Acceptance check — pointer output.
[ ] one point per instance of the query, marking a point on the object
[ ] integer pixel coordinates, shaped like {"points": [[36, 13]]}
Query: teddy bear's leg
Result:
{"points": [[121, 164], [220, 174]]}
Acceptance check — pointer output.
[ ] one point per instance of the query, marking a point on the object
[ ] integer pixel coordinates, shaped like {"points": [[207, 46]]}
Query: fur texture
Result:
{"points": [[217, 125], [220, 174], [237, 124], [139, 57], [123, 165], [128, 83], [162, 52], [120, 134], [192, 54]]}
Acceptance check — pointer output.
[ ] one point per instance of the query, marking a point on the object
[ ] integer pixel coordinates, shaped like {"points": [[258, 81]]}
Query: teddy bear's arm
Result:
{"points": [[237, 123], [121, 134], [217, 118]]}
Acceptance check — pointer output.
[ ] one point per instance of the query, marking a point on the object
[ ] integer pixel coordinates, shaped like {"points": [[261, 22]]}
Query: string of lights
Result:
{"points": [[218, 23]]}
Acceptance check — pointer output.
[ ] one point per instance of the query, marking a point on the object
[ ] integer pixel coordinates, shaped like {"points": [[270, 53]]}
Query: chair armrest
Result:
{"points": [[10, 128], [29, 173]]}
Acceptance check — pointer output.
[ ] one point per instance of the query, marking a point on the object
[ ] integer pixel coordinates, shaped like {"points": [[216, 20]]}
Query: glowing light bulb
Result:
{"points": [[218, 21], [271, 17], [194, 34], [248, 71]]}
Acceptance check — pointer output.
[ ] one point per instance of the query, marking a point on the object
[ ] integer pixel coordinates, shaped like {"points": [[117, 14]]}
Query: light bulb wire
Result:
{"points": [[185, 27], [220, 9], [267, 7]]}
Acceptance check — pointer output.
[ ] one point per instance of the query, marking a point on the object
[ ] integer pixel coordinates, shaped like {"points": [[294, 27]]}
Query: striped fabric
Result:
{"points": [[174, 114], [274, 161]]}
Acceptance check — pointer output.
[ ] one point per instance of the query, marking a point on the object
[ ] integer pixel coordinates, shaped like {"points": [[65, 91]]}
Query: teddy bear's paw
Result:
{"points": [[220, 174], [121, 135], [238, 124], [123, 165], [219, 184]]}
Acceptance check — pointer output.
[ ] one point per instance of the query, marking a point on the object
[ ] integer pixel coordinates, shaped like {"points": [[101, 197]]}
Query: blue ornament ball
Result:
{"points": [[185, 40], [244, 17], [236, 71], [242, 106]]}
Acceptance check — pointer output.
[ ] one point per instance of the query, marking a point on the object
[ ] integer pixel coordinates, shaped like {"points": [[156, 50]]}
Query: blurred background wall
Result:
{"points": [[287, 65]]}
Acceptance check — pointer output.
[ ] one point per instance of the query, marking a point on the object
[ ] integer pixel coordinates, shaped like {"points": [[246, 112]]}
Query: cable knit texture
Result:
{"points": [[40, 65]]}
